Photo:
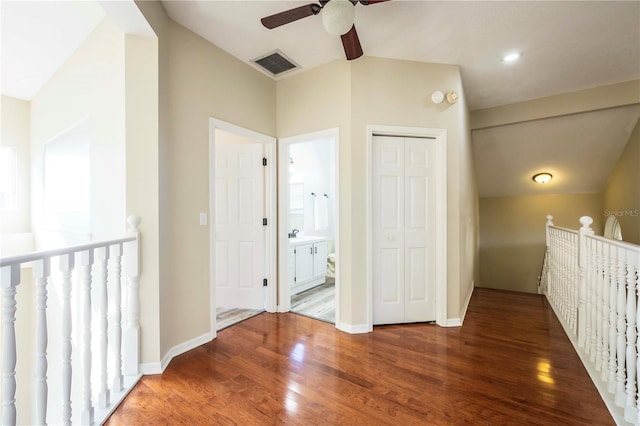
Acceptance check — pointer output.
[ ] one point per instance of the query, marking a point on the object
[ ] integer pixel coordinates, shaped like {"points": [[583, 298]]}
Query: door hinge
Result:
{"points": [[264, 221], [264, 161], [264, 282]]}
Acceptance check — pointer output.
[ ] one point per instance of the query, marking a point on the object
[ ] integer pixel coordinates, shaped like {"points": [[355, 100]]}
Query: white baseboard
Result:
{"points": [[148, 368], [354, 329], [159, 367], [457, 322]]}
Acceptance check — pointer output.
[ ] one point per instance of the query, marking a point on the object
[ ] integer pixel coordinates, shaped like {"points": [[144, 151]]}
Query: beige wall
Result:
{"points": [[326, 104], [352, 95], [89, 86], [196, 81], [512, 235], [622, 193], [14, 125]]}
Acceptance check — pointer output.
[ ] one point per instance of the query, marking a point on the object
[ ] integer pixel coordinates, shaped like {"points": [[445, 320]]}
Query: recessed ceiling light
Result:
{"points": [[511, 57], [542, 178]]}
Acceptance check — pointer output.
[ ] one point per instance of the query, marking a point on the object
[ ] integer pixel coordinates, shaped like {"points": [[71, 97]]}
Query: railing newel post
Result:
{"points": [[585, 230], [131, 338]]}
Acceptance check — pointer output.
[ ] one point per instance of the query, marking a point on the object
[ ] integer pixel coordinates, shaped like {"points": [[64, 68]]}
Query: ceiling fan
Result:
{"points": [[337, 18]]}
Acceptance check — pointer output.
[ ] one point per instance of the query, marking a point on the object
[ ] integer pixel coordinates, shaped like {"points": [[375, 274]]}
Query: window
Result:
{"points": [[8, 177], [67, 199]]}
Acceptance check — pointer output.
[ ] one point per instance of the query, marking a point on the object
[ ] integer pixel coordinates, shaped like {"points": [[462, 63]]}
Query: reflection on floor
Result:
{"points": [[318, 302], [229, 316]]}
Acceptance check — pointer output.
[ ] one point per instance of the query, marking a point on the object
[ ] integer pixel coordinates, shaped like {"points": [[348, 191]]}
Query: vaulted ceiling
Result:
{"points": [[566, 46]]}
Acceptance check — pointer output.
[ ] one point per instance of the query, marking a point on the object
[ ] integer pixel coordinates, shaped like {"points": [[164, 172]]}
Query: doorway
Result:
{"points": [[308, 197], [406, 225], [242, 225]]}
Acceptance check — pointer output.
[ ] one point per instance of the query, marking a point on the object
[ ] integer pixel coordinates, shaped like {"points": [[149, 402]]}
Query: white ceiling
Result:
{"points": [[566, 45], [38, 37]]}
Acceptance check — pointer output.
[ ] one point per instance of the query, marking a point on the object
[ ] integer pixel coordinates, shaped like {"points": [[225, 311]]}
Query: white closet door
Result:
{"points": [[419, 222], [388, 236], [240, 235], [403, 234]]}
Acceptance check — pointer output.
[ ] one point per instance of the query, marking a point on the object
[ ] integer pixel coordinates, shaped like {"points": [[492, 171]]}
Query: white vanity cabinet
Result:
{"points": [[307, 263]]}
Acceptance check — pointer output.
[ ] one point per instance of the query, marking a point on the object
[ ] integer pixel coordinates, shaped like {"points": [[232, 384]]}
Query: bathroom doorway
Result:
{"points": [[308, 188]]}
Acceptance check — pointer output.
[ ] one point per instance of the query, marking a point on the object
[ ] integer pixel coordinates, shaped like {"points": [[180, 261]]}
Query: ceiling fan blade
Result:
{"points": [[291, 15], [368, 2], [351, 44]]}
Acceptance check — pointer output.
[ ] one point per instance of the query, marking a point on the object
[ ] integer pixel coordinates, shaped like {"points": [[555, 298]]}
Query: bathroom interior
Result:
{"points": [[312, 179]]}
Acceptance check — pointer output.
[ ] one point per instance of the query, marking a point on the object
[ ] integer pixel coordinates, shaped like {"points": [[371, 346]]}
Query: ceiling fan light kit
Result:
{"points": [[338, 16]]}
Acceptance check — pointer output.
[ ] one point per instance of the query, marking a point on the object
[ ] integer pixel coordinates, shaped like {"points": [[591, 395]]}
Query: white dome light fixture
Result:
{"points": [[338, 16], [542, 178]]}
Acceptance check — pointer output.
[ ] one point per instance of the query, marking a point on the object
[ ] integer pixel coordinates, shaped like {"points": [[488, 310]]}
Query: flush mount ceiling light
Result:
{"points": [[338, 16], [542, 178], [511, 57]]}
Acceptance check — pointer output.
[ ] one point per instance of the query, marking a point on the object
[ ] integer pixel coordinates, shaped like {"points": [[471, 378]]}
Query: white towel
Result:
{"points": [[321, 212]]}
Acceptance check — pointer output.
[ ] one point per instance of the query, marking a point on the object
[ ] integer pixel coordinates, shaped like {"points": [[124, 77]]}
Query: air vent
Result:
{"points": [[275, 63]]}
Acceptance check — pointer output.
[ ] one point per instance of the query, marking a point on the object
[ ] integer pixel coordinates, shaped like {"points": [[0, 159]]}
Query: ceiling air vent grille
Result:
{"points": [[276, 63]]}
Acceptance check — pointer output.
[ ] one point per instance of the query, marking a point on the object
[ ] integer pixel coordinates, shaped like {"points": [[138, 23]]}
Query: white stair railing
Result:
{"points": [[593, 286], [96, 361]]}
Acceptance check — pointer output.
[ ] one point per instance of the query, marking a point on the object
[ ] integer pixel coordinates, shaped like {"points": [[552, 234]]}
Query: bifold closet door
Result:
{"points": [[403, 230]]}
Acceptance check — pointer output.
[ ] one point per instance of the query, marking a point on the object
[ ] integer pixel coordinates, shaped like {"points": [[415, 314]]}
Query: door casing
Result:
{"points": [[284, 294], [270, 208], [439, 138]]}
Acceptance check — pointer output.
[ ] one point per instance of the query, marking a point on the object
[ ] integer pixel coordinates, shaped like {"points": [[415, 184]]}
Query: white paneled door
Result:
{"points": [[240, 234], [403, 230]]}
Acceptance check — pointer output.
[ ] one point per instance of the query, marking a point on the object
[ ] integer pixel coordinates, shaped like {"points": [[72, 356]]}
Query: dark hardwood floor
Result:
{"points": [[509, 364]]}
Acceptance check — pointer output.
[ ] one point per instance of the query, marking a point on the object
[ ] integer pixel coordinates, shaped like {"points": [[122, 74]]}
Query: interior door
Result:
{"points": [[240, 234], [403, 234]]}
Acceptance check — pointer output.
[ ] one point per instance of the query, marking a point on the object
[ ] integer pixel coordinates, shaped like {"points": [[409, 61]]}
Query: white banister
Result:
{"points": [[593, 287], [81, 377]]}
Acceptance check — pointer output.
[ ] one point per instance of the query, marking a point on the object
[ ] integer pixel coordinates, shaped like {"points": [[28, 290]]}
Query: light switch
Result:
{"points": [[203, 218]]}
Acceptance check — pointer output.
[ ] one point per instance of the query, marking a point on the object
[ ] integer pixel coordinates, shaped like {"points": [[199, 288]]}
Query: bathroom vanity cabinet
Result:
{"points": [[307, 263]]}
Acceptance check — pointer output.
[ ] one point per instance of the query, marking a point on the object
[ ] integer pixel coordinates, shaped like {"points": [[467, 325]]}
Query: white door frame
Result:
{"points": [[439, 138], [270, 206], [283, 219]]}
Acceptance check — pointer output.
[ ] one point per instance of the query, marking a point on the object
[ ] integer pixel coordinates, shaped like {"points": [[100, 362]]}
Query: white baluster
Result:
{"points": [[86, 260], [621, 328], [116, 316], [585, 230], [613, 307], [66, 266], [630, 411], [600, 285], [606, 292], [575, 283], [9, 280], [131, 341], [102, 257], [593, 288], [41, 270], [548, 251]]}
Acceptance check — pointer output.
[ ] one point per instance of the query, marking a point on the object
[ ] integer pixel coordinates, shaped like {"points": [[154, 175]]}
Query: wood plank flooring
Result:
{"points": [[226, 317], [509, 364], [318, 302]]}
